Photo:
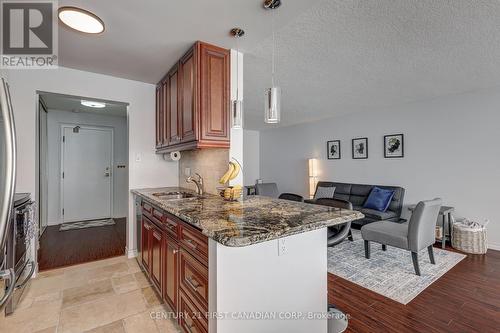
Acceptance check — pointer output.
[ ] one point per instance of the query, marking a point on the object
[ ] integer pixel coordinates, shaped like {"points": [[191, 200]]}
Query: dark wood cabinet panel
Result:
{"points": [[146, 243], [193, 279], [156, 256], [191, 319], [215, 93], [164, 119], [173, 107], [171, 275], [194, 110], [159, 113], [188, 96]]}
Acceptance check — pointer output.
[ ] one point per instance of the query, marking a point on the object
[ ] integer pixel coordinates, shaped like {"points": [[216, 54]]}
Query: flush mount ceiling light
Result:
{"points": [[93, 104], [81, 20]]}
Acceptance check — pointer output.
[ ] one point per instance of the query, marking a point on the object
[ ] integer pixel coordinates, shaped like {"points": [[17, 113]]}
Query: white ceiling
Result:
{"points": [[334, 56], [350, 56], [73, 104], [143, 39]]}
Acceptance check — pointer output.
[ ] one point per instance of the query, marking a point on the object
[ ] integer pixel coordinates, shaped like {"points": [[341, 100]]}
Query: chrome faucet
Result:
{"points": [[198, 182]]}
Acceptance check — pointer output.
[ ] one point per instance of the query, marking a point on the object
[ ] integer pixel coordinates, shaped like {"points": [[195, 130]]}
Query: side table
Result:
{"points": [[445, 213]]}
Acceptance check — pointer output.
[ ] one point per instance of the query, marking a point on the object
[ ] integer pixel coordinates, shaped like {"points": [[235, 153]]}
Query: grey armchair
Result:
{"points": [[413, 236]]}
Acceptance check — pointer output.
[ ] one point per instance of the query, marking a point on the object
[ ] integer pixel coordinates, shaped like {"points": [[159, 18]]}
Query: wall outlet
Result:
{"points": [[187, 172], [282, 250]]}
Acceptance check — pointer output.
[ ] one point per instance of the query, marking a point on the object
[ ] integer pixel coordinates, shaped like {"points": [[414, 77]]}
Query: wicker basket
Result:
{"points": [[469, 237]]}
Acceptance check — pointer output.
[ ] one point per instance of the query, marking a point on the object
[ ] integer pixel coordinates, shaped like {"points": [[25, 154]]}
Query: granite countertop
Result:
{"points": [[252, 220]]}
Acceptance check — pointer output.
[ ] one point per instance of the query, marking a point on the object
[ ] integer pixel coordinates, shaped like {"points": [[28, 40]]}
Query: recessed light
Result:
{"points": [[81, 20], [93, 104]]}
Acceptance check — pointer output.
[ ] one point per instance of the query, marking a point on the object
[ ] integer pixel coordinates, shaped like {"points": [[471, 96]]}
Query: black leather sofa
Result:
{"points": [[357, 194]]}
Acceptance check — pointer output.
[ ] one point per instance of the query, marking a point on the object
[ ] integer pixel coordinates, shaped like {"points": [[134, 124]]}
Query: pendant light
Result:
{"points": [[237, 104], [272, 95]]}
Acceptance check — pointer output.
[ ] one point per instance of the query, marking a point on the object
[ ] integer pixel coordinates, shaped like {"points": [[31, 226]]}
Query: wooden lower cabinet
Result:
{"points": [[171, 273], [175, 258], [191, 319], [145, 243], [156, 257]]}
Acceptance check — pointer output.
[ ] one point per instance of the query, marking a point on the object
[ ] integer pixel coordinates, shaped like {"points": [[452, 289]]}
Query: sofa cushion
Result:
{"points": [[388, 233], [379, 199], [324, 192], [377, 215]]}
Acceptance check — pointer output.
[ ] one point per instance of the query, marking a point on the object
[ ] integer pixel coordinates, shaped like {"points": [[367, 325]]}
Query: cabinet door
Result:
{"points": [[159, 114], [173, 107], [187, 96], [156, 256], [146, 244], [164, 115], [214, 79], [171, 276]]}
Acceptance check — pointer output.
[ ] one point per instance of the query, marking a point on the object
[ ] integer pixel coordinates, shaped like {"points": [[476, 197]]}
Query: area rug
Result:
{"points": [[388, 273], [86, 224]]}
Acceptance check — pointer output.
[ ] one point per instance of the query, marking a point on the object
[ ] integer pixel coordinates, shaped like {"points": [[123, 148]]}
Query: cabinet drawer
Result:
{"points": [[147, 207], [157, 214], [195, 242], [194, 279], [191, 320], [172, 227]]}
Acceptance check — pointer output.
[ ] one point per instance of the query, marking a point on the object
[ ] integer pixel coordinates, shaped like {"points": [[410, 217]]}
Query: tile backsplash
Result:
{"points": [[210, 163]]}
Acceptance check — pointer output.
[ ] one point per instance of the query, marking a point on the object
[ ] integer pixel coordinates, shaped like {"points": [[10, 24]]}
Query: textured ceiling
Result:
{"points": [[73, 104], [349, 56], [143, 39]]}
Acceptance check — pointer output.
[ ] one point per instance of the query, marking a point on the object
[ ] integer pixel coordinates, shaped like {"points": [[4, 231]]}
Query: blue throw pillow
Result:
{"points": [[379, 199]]}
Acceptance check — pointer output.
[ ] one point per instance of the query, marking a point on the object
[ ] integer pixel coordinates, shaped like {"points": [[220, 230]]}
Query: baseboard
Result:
{"points": [[493, 246], [131, 253]]}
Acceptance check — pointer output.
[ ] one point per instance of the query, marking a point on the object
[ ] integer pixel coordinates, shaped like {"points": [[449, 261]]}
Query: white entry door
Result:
{"points": [[86, 173]]}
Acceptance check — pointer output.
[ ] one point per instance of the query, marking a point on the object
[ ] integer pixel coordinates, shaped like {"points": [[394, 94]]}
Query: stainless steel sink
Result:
{"points": [[173, 195]]}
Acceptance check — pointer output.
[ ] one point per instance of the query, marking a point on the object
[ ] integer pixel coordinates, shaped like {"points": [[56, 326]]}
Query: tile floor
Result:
{"points": [[111, 295]]}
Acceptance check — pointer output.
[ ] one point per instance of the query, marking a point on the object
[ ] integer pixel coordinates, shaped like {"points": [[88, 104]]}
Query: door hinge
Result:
{"points": [[63, 211], [64, 138], [63, 175]]}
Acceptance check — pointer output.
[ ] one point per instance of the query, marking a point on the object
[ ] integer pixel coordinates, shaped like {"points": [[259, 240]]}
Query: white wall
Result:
{"points": [[251, 149], [452, 151], [150, 171], [56, 118]]}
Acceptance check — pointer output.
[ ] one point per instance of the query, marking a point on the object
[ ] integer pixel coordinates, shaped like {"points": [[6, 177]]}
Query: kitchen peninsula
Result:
{"points": [[237, 260]]}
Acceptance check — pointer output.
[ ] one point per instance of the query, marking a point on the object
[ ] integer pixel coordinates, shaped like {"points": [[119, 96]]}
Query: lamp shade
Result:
{"points": [[237, 114], [313, 167], [273, 105]]}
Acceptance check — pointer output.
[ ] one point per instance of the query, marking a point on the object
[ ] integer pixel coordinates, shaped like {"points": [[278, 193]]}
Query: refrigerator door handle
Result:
{"points": [[10, 160]]}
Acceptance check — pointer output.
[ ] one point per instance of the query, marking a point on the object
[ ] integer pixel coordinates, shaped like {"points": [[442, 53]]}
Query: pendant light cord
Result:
{"points": [[237, 69], [274, 46]]}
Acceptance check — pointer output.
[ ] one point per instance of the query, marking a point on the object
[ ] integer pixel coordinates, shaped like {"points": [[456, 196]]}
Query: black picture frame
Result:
{"points": [[356, 154], [330, 144], [394, 149]]}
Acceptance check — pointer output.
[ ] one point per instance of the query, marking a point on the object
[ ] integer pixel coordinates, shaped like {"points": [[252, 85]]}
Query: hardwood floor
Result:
{"points": [[66, 248], [466, 299]]}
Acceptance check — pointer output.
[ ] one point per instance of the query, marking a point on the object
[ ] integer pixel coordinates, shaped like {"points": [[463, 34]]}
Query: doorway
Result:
{"points": [[86, 164], [83, 179]]}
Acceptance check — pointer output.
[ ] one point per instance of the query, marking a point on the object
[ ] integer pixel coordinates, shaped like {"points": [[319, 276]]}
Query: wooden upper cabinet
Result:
{"points": [[165, 121], [158, 113], [173, 106], [215, 93], [196, 102], [188, 96]]}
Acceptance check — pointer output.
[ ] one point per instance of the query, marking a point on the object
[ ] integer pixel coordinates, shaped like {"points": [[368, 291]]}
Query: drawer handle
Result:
{"points": [[171, 226], [191, 243], [175, 251], [190, 282]]}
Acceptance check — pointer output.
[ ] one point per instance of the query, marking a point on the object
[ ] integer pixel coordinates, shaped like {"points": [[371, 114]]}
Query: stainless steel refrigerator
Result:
{"points": [[7, 188]]}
